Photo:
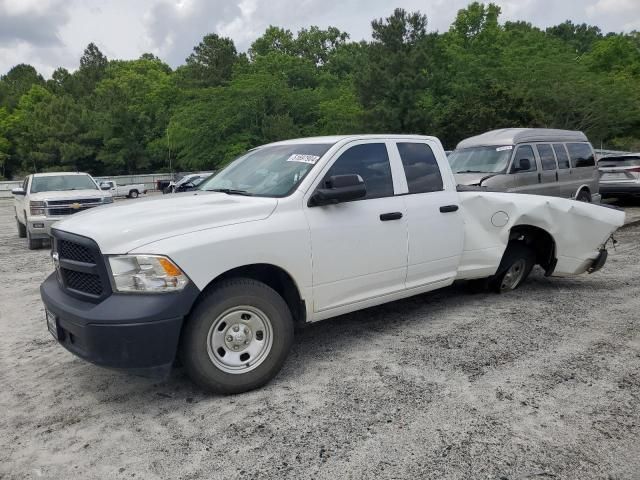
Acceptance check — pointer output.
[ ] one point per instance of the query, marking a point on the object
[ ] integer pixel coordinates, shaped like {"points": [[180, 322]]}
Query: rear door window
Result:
{"points": [[581, 155], [547, 159], [420, 167], [561, 155], [524, 152]]}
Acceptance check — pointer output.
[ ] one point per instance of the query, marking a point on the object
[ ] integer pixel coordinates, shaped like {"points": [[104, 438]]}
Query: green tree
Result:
{"points": [[211, 63], [133, 106], [16, 83], [580, 37]]}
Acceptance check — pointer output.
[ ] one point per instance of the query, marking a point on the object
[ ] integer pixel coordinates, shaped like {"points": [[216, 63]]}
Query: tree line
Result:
{"points": [[114, 117]]}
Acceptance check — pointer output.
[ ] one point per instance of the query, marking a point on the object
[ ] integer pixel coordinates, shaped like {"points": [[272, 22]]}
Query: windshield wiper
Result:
{"points": [[471, 171], [230, 191]]}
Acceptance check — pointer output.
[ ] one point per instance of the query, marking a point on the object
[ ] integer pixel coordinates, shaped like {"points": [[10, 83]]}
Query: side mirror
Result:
{"points": [[523, 164], [18, 191], [339, 188]]}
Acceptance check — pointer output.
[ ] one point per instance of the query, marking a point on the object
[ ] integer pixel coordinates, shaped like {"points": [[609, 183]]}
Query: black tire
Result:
{"points": [[584, 196], [133, 194], [32, 243], [22, 229], [235, 293], [517, 261]]}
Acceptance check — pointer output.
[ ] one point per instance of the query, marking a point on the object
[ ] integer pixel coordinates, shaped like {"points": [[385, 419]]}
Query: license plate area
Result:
{"points": [[52, 323]]}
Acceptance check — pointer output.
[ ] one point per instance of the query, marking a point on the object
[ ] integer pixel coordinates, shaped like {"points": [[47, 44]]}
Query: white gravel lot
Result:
{"points": [[540, 383]]}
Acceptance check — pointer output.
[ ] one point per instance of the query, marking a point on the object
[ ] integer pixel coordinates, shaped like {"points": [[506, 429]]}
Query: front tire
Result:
{"points": [[32, 243], [22, 229], [584, 196], [515, 267], [237, 338]]}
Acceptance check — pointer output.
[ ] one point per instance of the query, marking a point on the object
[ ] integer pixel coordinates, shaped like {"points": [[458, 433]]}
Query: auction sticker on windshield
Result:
{"points": [[506, 147], [299, 157]]}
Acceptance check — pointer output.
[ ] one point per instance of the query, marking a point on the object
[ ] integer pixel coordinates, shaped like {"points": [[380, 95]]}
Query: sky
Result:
{"points": [[52, 33]]}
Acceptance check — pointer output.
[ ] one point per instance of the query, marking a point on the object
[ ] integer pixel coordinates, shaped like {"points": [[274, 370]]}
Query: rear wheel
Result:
{"points": [[584, 196], [133, 194], [22, 230], [515, 266], [237, 338]]}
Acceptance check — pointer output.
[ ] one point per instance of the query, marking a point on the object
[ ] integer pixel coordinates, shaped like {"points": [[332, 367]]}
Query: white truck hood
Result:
{"points": [[68, 195], [120, 228]]}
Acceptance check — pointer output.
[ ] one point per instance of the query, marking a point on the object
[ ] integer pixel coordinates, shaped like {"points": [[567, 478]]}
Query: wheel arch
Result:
{"points": [[275, 277], [582, 187], [541, 241]]}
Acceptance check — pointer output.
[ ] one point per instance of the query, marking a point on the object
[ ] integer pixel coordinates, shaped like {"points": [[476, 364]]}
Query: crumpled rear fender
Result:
{"points": [[578, 229]]}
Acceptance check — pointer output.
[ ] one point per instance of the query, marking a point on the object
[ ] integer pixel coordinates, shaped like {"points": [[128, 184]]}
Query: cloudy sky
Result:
{"points": [[52, 33]]}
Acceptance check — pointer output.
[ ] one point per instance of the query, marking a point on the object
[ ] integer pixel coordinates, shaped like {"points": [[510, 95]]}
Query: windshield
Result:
{"points": [[271, 171], [60, 183], [480, 159]]}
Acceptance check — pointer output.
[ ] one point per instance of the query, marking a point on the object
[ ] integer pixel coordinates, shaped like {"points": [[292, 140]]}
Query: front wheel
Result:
{"points": [[515, 266], [237, 338], [22, 229], [32, 243]]}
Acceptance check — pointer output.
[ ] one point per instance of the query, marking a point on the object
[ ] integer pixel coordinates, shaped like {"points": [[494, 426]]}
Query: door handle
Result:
{"points": [[385, 217], [448, 208], [539, 178], [556, 175]]}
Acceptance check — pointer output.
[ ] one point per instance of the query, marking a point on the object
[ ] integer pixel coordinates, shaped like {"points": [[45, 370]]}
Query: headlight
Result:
{"points": [[36, 208], [107, 200], [146, 273]]}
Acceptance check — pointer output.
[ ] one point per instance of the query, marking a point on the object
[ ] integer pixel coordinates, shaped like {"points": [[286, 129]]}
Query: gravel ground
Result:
{"points": [[540, 383]]}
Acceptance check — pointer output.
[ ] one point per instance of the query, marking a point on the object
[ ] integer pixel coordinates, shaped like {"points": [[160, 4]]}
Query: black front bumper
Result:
{"points": [[136, 332]]}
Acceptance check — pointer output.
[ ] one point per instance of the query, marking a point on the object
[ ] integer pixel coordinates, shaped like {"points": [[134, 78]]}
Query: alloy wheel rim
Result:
{"points": [[240, 339], [514, 275]]}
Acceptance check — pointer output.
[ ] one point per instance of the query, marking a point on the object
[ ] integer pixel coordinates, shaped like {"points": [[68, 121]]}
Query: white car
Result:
{"points": [[290, 233], [129, 191], [46, 198]]}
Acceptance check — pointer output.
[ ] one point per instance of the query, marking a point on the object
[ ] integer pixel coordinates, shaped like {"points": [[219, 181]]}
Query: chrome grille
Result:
{"points": [[57, 208], [81, 201]]}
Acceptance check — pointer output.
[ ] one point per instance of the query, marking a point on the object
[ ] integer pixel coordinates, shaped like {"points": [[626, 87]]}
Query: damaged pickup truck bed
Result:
{"points": [[293, 232]]}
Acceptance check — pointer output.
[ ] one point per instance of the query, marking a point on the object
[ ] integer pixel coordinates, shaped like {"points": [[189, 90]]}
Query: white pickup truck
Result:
{"points": [[46, 198], [129, 191], [293, 232]]}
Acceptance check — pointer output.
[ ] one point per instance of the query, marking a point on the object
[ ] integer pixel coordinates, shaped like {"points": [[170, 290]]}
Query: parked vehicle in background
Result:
{"points": [[293, 232], [130, 191], [190, 185], [542, 161], [46, 198], [187, 182], [620, 175]]}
